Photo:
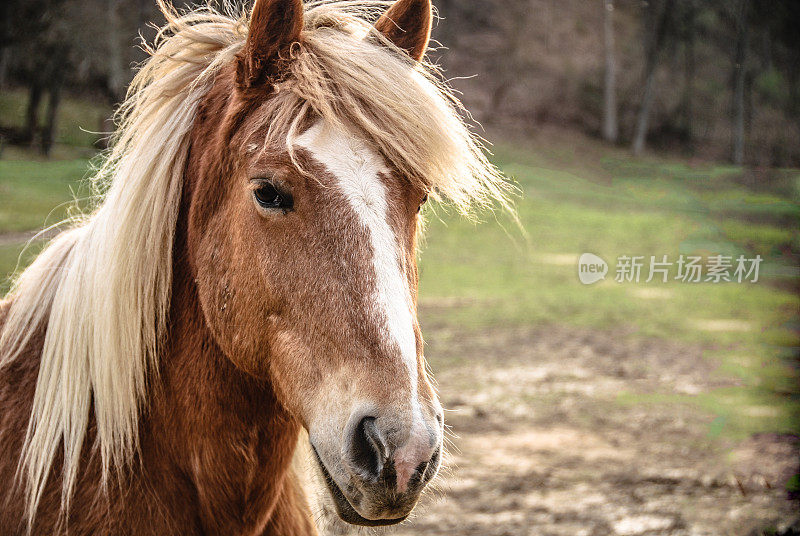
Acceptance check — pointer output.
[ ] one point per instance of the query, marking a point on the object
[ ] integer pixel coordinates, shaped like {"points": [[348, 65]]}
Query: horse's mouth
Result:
{"points": [[346, 510]]}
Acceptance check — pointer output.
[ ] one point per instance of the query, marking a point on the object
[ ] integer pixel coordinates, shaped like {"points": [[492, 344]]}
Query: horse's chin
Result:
{"points": [[346, 510]]}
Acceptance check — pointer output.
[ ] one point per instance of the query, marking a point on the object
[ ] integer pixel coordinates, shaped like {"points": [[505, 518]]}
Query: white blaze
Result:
{"points": [[357, 170]]}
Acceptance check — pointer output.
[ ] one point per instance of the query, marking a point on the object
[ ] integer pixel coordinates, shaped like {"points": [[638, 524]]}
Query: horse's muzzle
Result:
{"points": [[380, 479]]}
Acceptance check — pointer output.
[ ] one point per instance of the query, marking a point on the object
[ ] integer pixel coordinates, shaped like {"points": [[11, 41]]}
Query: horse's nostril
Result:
{"points": [[436, 456], [369, 451], [432, 466]]}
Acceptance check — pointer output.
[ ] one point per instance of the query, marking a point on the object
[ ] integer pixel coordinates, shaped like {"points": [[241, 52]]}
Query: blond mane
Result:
{"points": [[103, 288]]}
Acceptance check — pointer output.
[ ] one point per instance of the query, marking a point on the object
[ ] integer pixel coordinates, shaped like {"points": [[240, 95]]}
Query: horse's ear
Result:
{"points": [[407, 24], [274, 26]]}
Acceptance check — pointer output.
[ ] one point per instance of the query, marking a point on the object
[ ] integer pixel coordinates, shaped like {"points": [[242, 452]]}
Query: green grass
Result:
{"points": [[565, 215], [36, 194], [575, 199]]}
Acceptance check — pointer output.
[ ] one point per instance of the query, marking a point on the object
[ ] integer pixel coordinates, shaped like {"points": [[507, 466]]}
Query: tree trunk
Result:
{"points": [[687, 104], [48, 134], [793, 80], [32, 113], [642, 121], [55, 83], [739, 83], [655, 44], [610, 123], [5, 42], [5, 60], [117, 72]]}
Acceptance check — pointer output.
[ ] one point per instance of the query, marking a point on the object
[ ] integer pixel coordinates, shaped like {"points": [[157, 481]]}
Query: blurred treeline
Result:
{"points": [[708, 78]]}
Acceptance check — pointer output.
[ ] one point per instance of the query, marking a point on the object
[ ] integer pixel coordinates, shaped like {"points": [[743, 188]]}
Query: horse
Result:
{"points": [[245, 286]]}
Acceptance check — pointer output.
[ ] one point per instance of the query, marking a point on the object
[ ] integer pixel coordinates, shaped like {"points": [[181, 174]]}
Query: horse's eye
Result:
{"points": [[424, 200], [268, 196]]}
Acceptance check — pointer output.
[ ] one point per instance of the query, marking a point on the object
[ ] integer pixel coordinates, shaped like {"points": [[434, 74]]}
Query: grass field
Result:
{"points": [[37, 194]]}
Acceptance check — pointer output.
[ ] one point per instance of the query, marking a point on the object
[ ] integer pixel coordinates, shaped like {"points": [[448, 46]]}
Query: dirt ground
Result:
{"points": [[540, 446]]}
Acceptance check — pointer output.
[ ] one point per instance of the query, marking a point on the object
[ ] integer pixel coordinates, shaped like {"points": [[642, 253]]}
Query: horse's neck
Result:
{"points": [[222, 429]]}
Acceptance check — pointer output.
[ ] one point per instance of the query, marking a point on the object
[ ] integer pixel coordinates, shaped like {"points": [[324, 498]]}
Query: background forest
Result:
{"points": [[708, 78]]}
